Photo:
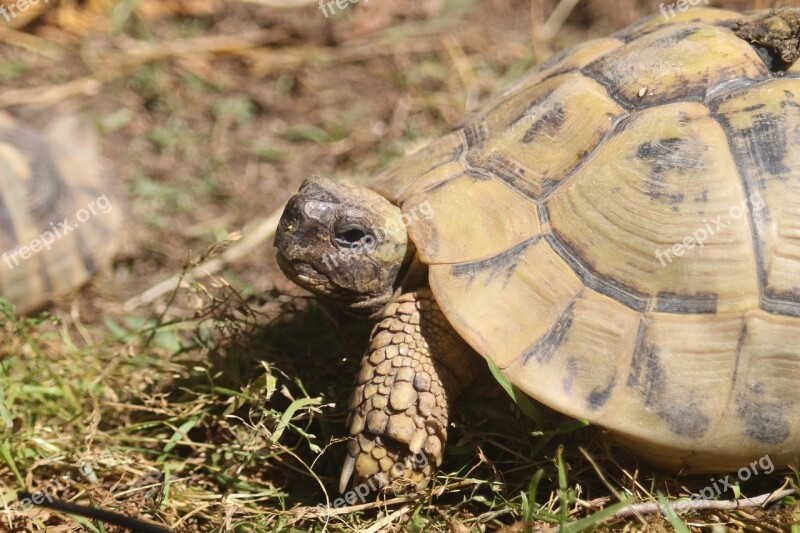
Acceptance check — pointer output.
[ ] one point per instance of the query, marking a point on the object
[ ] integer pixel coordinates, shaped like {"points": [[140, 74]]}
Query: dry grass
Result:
{"points": [[221, 406]]}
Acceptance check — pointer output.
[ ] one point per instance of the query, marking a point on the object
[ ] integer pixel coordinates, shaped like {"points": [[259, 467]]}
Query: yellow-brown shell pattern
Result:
{"points": [[58, 221], [620, 233]]}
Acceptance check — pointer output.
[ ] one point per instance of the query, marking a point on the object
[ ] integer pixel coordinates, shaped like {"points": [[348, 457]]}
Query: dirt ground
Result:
{"points": [[212, 408]]}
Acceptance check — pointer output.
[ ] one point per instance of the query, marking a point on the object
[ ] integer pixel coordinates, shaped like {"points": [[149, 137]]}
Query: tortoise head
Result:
{"points": [[343, 242]]}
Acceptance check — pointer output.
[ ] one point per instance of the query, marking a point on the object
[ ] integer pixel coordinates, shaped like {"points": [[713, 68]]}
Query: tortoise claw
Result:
{"points": [[347, 472]]}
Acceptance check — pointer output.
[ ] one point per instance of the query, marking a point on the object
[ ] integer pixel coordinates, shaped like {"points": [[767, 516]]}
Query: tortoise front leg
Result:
{"points": [[415, 366]]}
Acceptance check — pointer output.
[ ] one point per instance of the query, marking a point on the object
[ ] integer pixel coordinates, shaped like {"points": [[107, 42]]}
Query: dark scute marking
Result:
{"points": [[552, 61], [585, 157], [549, 184], [669, 40], [755, 107], [548, 124], [781, 303], [544, 217], [86, 255], [572, 371], [446, 181], [444, 158], [475, 134], [763, 421], [7, 229], [456, 154], [48, 198], [600, 70], [532, 107], [511, 174], [506, 171], [598, 398], [596, 72], [477, 174], [767, 143], [665, 155], [545, 348], [648, 377], [670, 302], [686, 420], [702, 197], [756, 217], [632, 32], [503, 263], [684, 118], [739, 346], [610, 287]]}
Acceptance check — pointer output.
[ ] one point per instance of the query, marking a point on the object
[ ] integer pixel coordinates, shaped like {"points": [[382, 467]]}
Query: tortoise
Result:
{"points": [[58, 225], [618, 232]]}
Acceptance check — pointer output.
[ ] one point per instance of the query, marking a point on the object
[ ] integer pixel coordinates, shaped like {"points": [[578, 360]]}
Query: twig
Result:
{"points": [[386, 520], [463, 67], [30, 42], [557, 19], [263, 230], [704, 505], [136, 54], [49, 95], [268, 61]]}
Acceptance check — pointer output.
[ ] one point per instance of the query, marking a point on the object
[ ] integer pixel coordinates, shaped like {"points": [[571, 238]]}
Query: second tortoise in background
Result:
{"points": [[58, 221]]}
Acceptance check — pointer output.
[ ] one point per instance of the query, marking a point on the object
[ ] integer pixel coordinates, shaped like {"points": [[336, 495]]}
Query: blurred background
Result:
{"points": [[213, 112]]}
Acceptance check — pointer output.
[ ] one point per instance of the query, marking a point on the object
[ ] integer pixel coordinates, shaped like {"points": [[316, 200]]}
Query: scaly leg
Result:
{"points": [[416, 365]]}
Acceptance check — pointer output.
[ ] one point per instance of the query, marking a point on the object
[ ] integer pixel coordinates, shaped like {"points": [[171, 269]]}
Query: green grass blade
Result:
{"points": [[179, 434], [5, 451], [519, 398], [596, 519], [669, 512]]}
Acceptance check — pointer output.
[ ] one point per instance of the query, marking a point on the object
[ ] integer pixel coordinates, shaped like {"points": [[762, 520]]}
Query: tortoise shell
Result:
{"points": [[57, 221], [620, 233]]}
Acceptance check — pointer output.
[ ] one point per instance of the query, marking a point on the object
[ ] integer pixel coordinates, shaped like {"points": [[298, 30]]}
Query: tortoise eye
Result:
{"points": [[352, 237]]}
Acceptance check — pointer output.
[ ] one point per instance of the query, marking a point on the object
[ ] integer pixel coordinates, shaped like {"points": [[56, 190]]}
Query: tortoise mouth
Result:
{"points": [[297, 271]]}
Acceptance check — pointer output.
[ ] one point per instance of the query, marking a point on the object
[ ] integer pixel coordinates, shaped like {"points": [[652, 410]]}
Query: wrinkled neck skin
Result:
{"points": [[346, 244], [413, 275]]}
